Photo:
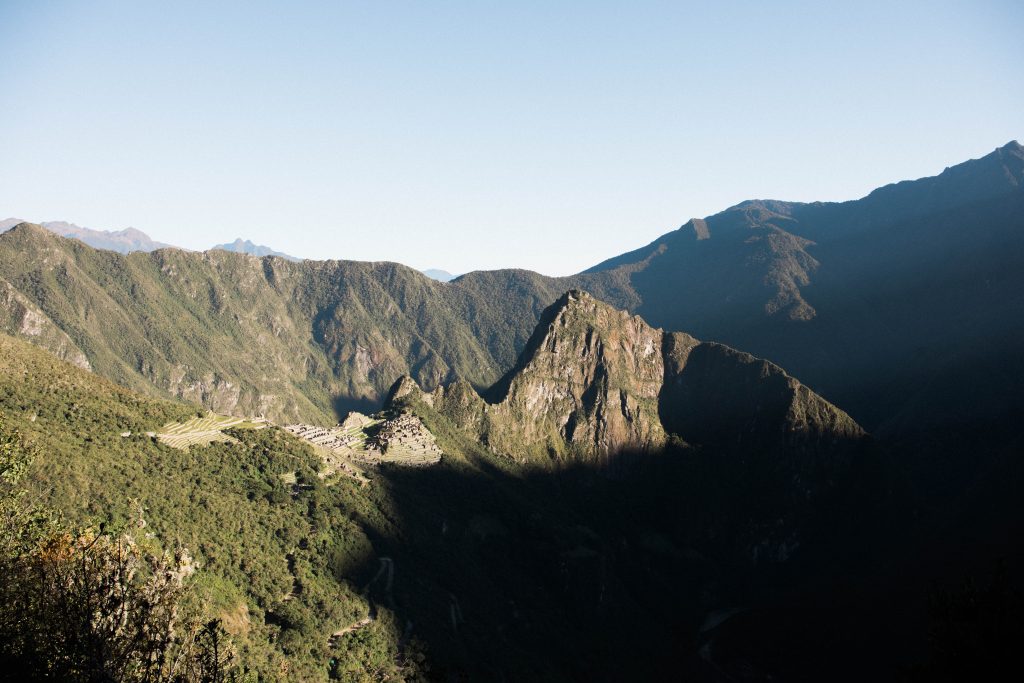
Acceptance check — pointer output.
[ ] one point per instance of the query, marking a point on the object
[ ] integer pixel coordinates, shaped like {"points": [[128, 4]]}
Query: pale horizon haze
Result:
{"points": [[467, 136]]}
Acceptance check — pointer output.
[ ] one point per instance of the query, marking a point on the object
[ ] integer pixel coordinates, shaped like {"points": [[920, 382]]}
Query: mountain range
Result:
{"points": [[128, 240], [874, 303]]}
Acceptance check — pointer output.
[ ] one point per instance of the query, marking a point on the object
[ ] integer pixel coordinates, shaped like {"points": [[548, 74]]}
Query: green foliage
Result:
{"points": [[272, 561], [20, 527], [88, 606], [371, 654]]}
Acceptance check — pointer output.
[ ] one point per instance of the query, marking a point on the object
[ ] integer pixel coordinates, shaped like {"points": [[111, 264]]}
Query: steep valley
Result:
{"points": [[489, 557], [779, 443]]}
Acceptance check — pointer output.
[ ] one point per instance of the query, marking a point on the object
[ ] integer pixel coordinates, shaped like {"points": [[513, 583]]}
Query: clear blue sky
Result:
{"points": [[467, 135]]}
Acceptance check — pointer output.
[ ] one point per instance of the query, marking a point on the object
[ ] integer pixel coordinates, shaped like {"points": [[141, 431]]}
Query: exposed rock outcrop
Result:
{"points": [[19, 317]]}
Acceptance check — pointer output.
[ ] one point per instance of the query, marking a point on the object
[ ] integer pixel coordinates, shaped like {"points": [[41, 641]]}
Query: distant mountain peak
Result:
{"points": [[241, 246], [439, 275]]}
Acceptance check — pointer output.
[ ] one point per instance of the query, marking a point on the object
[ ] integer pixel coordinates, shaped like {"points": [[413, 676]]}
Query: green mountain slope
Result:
{"points": [[236, 333], [271, 560]]}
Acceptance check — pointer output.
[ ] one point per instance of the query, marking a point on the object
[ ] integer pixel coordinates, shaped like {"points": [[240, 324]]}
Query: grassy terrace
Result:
{"points": [[202, 431], [359, 433]]}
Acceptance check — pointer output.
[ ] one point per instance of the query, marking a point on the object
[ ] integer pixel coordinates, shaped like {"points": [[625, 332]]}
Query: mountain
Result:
{"points": [[595, 383], [439, 275], [122, 241], [22, 318], [299, 342], [900, 306], [613, 502], [240, 246], [879, 303]]}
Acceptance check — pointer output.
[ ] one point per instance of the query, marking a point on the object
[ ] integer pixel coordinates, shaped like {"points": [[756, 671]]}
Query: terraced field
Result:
{"points": [[202, 431], [415, 455], [403, 440]]}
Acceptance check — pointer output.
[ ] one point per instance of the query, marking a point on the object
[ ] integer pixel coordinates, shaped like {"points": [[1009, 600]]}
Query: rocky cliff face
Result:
{"points": [[595, 382], [19, 317], [588, 381]]}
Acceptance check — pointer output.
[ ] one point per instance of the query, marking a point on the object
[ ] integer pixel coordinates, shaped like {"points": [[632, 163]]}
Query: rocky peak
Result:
{"points": [[579, 336], [594, 382], [405, 387], [588, 378]]}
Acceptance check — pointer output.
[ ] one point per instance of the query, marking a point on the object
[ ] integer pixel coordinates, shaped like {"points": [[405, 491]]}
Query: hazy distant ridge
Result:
{"points": [[439, 275], [240, 246], [122, 241]]}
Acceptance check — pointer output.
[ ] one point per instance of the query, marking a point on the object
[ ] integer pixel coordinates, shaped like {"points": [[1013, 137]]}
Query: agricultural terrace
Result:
{"points": [[202, 431]]}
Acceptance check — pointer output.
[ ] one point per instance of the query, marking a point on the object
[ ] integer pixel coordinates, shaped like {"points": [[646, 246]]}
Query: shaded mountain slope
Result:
{"points": [[861, 299], [716, 395]]}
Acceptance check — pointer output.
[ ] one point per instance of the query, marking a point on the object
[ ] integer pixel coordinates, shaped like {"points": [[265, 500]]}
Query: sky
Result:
{"points": [[478, 135]]}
